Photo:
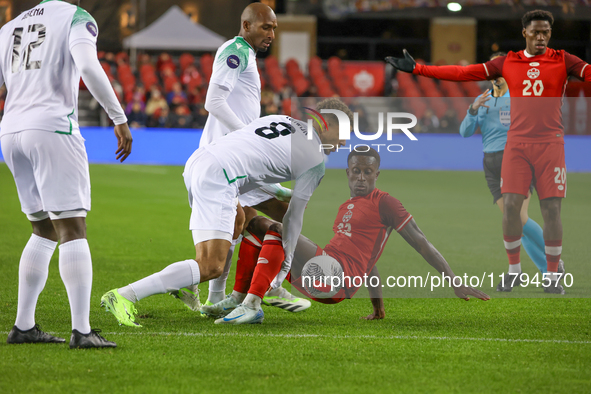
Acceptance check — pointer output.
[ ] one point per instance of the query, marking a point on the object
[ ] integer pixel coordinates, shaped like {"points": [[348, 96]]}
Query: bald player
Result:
{"points": [[233, 101]]}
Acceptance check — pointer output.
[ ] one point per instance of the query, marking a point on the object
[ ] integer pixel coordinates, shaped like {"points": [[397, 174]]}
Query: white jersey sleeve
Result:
{"points": [[82, 29], [230, 62], [235, 76]]}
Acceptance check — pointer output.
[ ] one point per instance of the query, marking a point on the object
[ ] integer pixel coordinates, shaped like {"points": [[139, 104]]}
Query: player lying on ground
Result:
{"points": [[490, 113], [536, 77], [270, 150], [361, 229]]}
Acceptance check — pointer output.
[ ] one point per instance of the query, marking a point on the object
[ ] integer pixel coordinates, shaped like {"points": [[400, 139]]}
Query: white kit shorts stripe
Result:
{"points": [[50, 170]]}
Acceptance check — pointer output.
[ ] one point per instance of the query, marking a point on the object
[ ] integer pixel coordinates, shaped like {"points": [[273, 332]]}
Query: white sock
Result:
{"points": [[173, 277], [515, 268], [252, 301], [238, 297], [32, 275], [76, 273], [217, 286], [128, 293]]}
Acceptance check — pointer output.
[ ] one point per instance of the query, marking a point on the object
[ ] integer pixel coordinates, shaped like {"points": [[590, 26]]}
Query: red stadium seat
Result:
{"points": [[185, 60]]}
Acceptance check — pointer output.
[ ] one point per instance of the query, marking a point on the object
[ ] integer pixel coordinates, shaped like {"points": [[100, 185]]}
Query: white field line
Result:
{"points": [[321, 336]]}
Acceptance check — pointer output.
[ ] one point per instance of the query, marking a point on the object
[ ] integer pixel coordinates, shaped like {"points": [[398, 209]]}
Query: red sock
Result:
{"points": [[553, 252], [513, 245], [247, 261], [268, 264]]}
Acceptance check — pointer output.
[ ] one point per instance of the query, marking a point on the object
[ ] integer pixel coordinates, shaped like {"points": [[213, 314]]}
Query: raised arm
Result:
{"points": [[470, 122], [474, 72], [415, 238]]}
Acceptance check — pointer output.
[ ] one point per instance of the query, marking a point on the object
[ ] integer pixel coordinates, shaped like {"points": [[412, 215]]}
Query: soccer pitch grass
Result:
{"points": [[139, 224]]}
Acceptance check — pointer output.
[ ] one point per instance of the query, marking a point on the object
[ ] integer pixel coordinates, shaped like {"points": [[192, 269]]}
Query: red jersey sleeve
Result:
{"points": [[577, 67], [474, 72], [392, 213]]}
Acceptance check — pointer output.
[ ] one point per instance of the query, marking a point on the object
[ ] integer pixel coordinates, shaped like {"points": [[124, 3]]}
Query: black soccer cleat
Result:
{"points": [[554, 288], [34, 335], [90, 340], [509, 282]]}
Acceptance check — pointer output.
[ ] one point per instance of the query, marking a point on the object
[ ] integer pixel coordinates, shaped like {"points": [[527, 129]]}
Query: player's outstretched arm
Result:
{"points": [[473, 72], [415, 238], [377, 301], [406, 63]]}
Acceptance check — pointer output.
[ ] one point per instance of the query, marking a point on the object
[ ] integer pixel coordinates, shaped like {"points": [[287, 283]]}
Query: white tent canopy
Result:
{"points": [[174, 30]]}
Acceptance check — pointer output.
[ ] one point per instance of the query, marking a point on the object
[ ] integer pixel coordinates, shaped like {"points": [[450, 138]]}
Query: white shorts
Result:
{"points": [[253, 198], [50, 170], [213, 200]]}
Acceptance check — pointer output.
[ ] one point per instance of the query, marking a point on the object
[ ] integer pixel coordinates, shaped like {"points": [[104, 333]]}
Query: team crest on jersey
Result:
{"points": [[350, 206], [91, 29], [347, 216], [534, 64], [533, 73], [233, 61]]}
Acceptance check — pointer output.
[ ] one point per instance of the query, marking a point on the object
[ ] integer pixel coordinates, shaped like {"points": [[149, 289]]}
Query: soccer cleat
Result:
{"points": [[189, 297], [281, 298], [90, 340], [221, 308], [243, 315], [33, 335], [509, 282], [123, 309], [554, 288], [561, 268], [207, 303]]}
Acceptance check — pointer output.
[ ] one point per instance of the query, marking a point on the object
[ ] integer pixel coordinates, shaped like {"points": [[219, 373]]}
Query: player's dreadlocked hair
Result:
{"points": [[334, 103], [371, 153], [537, 15]]}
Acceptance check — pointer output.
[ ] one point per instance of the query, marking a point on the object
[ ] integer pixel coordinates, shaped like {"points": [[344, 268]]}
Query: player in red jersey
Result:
{"points": [[361, 229], [537, 78]]}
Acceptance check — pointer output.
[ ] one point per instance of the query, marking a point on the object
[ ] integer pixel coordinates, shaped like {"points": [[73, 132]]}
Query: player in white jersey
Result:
{"points": [[269, 150], [233, 101], [44, 52]]}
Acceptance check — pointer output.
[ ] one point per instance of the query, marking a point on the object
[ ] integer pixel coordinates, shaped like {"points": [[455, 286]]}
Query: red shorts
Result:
{"points": [[541, 163]]}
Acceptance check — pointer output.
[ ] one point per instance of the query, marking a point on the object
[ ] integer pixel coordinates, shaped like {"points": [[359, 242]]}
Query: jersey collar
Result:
{"points": [[244, 41]]}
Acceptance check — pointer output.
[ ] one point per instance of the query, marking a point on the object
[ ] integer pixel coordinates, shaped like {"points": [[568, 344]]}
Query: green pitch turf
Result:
{"points": [[522, 341]]}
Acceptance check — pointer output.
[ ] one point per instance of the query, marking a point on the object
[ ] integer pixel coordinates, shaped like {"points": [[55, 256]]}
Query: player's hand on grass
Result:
{"points": [[376, 315], [465, 292], [124, 140], [406, 63], [479, 102]]}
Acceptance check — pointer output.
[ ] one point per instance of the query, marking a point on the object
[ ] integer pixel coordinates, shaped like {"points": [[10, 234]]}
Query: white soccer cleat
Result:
{"points": [[281, 298], [190, 297], [243, 315], [220, 309]]}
